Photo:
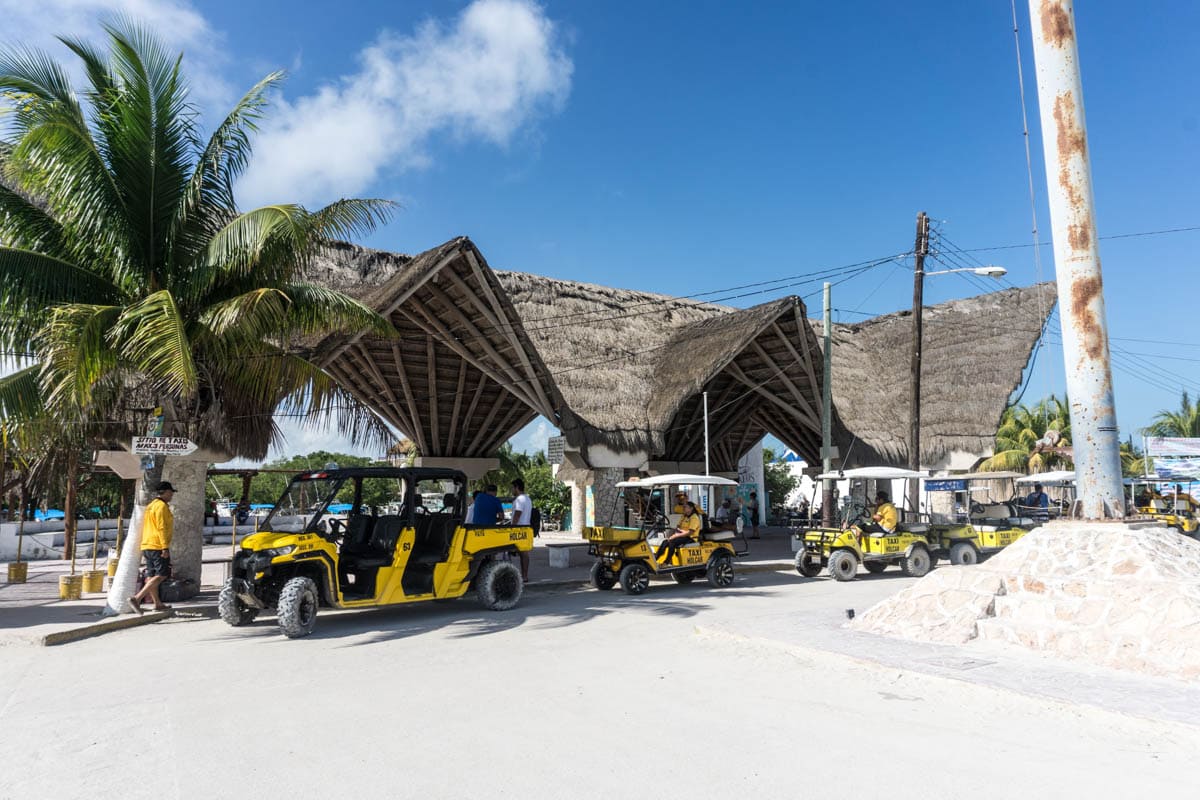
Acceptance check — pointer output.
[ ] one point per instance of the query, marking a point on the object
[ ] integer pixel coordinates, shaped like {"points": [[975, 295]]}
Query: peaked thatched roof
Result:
{"points": [[482, 352], [975, 351]]}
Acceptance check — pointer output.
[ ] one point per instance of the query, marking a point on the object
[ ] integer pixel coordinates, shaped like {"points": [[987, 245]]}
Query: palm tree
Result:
{"points": [[129, 274], [1182, 423], [1021, 428]]}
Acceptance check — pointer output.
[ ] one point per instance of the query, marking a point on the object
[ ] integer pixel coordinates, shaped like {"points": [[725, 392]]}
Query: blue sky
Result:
{"points": [[685, 147]]}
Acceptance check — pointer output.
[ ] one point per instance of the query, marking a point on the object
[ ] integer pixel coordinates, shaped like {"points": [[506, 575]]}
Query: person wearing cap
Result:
{"points": [[885, 517], [157, 528], [1038, 503]]}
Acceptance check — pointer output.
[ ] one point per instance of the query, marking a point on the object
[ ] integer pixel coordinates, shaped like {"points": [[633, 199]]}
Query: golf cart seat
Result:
{"points": [[915, 527], [718, 536]]}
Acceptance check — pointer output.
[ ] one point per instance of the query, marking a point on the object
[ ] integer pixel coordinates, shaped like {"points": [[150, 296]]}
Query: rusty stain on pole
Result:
{"points": [[1077, 260]]}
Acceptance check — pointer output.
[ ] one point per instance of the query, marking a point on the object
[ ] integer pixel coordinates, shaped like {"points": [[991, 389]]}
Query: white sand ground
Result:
{"points": [[575, 694]]}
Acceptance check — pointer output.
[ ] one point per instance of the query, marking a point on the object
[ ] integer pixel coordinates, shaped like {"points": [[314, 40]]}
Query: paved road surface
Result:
{"points": [[575, 694]]}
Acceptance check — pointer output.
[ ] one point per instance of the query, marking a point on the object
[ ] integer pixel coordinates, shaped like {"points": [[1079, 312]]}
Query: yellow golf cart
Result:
{"points": [[981, 524], [842, 549], [626, 555], [1176, 508]]}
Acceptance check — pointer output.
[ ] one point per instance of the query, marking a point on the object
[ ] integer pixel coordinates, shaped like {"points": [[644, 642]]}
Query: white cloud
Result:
{"points": [[485, 76], [176, 22], [532, 438]]}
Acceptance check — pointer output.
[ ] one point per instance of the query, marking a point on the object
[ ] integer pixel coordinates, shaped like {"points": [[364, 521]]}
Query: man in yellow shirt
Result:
{"points": [[157, 529], [885, 517]]}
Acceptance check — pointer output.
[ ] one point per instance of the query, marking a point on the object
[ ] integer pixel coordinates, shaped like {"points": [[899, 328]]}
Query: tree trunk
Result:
{"points": [[121, 587], [187, 545], [70, 517]]}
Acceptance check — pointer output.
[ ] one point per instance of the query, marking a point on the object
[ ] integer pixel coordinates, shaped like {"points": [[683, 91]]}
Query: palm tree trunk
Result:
{"points": [[121, 587], [70, 521]]}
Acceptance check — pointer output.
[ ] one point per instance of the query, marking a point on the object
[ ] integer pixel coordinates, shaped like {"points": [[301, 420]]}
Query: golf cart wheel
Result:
{"points": [[806, 565], [603, 577], [917, 564], [963, 553], [684, 578], [720, 571], [498, 585], [298, 607], [232, 609], [635, 578], [875, 567], [843, 565]]}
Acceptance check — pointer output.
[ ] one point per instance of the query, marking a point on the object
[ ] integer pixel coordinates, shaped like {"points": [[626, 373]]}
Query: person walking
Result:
{"points": [[157, 529], [522, 515], [752, 510]]}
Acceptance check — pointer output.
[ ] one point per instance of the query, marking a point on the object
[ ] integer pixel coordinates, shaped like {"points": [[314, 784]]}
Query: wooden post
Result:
{"points": [[920, 250]]}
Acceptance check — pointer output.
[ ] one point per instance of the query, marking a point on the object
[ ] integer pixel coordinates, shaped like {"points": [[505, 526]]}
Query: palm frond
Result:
{"points": [[21, 395], [152, 335], [75, 352]]}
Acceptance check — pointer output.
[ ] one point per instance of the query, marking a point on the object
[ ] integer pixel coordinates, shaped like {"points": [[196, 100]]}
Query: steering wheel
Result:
{"points": [[976, 508]]}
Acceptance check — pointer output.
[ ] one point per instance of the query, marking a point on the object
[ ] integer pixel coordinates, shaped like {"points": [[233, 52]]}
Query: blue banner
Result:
{"points": [[956, 485]]}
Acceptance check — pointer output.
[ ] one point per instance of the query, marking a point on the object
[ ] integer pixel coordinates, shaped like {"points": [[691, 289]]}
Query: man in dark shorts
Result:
{"points": [[157, 528]]}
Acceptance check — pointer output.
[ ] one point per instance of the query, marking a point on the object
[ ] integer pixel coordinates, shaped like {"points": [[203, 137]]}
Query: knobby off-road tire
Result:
{"points": [[603, 578], [298, 604], [806, 565], [635, 578], [843, 565], [918, 564], [232, 609], [875, 567], [720, 572], [963, 553], [499, 585]]}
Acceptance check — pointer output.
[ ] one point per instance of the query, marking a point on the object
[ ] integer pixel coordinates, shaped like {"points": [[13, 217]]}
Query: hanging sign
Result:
{"points": [[1172, 446], [163, 446], [946, 486], [556, 449]]}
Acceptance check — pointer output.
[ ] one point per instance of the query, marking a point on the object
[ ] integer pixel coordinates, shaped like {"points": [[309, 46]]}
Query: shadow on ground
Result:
{"points": [[464, 618]]}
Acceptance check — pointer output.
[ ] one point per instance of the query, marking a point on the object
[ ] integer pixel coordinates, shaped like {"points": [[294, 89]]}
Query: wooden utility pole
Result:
{"points": [[920, 250]]}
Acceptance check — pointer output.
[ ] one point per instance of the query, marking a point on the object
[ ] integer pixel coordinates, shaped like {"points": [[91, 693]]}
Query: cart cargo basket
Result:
{"points": [[611, 534]]}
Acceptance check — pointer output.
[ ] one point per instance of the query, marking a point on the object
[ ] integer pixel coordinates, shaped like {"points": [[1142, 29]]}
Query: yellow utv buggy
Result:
{"points": [[626, 555], [399, 538]]}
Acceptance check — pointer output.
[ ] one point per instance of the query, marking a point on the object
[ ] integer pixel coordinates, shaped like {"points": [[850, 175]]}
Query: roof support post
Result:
{"points": [[1077, 260]]}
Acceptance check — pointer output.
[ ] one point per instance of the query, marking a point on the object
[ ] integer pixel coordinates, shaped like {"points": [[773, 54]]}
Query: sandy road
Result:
{"points": [[575, 694]]}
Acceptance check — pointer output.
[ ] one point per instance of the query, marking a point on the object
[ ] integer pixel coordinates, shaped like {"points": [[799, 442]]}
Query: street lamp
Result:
{"points": [[919, 273]]}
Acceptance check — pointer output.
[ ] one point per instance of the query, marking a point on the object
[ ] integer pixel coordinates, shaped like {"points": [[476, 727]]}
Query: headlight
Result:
{"points": [[275, 552]]}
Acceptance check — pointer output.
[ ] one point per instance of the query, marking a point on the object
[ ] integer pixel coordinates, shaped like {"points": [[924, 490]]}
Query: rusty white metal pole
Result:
{"points": [[1077, 260], [706, 433], [827, 407]]}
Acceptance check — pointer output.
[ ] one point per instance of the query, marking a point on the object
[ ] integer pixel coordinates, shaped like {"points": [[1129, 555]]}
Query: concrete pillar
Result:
{"points": [[577, 507], [610, 501], [187, 476]]}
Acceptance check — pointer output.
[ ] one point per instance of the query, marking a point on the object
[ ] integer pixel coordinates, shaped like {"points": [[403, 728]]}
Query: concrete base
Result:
{"points": [[1117, 595], [475, 468]]}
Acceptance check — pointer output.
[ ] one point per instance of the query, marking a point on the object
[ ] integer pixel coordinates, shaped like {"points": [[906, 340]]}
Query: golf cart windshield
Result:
{"points": [[307, 495]]}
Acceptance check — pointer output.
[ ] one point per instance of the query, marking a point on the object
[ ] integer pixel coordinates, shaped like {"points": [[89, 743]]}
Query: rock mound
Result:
{"points": [[1123, 596]]}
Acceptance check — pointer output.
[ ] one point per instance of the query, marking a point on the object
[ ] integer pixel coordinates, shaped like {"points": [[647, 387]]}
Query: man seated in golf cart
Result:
{"points": [[724, 519], [688, 531], [885, 518]]}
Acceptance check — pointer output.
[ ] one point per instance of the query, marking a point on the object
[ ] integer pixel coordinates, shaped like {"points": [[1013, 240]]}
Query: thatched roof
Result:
{"points": [[482, 352], [974, 353]]}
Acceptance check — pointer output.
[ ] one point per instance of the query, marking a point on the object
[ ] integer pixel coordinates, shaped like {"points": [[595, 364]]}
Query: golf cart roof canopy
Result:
{"points": [[988, 476], [873, 473], [1063, 477], [677, 479]]}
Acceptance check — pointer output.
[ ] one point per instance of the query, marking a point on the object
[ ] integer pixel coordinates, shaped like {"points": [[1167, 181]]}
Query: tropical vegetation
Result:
{"points": [[1021, 429], [129, 278], [1183, 422]]}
